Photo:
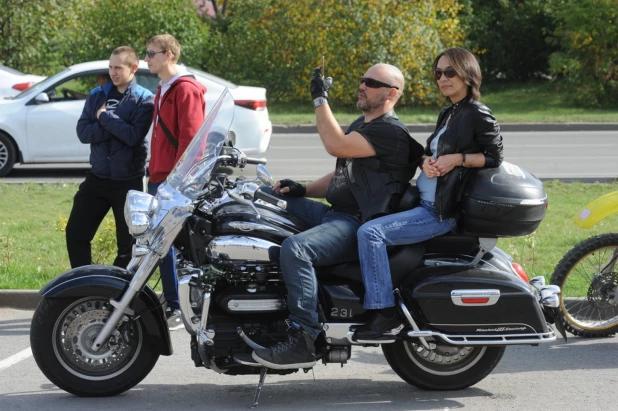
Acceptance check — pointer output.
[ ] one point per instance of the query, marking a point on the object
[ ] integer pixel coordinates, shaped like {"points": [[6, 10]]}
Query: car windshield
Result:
{"points": [[194, 167], [40, 87]]}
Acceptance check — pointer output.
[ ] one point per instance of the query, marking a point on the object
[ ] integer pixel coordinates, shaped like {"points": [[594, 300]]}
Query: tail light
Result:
{"points": [[257, 105], [23, 86], [520, 271]]}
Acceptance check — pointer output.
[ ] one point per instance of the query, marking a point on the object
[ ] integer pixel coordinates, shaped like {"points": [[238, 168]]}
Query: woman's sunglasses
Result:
{"points": [[371, 83], [449, 73]]}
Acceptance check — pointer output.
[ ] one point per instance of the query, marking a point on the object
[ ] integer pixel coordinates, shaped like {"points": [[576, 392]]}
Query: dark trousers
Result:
{"points": [[91, 203]]}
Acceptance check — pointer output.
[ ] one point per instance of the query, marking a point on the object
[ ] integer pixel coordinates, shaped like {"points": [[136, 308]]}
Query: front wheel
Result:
{"points": [[61, 336], [443, 368], [588, 279]]}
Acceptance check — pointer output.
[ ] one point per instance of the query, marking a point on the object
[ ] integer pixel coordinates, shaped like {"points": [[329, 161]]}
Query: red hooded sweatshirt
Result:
{"points": [[182, 111]]}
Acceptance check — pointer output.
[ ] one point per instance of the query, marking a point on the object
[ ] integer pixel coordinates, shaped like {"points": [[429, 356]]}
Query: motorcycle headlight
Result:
{"points": [[138, 209]]}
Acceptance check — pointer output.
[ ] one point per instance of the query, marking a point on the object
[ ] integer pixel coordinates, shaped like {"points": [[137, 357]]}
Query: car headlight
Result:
{"points": [[138, 210]]}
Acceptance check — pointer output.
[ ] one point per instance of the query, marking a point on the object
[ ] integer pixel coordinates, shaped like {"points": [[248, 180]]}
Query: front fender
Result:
{"points": [[597, 210], [111, 282]]}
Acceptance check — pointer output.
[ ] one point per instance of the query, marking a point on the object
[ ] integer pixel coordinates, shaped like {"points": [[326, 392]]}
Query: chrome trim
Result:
{"points": [[341, 334], [247, 226], [550, 296], [408, 316], [498, 339], [251, 364], [236, 247], [536, 201], [457, 297], [205, 336], [184, 300], [259, 305]]}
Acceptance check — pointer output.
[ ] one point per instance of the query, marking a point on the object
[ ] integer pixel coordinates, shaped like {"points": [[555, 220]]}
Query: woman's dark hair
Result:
{"points": [[466, 66]]}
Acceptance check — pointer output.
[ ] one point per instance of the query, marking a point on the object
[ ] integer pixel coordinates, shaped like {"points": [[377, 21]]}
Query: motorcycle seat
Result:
{"points": [[402, 260]]}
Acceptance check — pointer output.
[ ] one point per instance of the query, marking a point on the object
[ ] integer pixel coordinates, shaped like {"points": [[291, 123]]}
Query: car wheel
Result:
{"points": [[8, 154]]}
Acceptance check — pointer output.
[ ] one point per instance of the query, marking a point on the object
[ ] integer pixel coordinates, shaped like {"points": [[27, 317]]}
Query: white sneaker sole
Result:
{"points": [[282, 366]]}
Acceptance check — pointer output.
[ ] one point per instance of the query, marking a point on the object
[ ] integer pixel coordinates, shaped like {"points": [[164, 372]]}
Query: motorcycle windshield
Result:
{"points": [[193, 169]]}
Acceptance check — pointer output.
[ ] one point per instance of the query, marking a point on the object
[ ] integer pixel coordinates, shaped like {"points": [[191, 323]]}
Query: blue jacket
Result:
{"points": [[118, 148]]}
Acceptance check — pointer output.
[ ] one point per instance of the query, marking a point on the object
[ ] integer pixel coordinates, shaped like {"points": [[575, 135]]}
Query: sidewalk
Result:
{"points": [[505, 127]]}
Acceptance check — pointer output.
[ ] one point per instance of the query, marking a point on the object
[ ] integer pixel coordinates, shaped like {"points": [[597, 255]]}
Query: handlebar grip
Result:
{"points": [[250, 160], [270, 199]]}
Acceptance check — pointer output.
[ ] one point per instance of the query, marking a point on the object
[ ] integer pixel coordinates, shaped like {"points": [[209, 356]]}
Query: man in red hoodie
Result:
{"points": [[178, 113]]}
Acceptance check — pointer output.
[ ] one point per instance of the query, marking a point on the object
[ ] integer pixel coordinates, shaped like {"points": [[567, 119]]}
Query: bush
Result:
{"points": [[587, 65], [104, 249], [107, 24], [268, 43]]}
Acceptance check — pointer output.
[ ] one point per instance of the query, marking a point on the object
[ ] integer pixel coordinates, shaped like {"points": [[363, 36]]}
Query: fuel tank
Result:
{"points": [[274, 224]]}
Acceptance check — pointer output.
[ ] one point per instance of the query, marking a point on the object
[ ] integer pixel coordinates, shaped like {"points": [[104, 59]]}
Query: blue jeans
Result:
{"points": [[169, 281], [330, 240], [408, 227]]}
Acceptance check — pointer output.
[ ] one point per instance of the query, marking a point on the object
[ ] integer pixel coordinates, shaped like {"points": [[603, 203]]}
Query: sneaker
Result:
{"points": [[297, 352], [377, 325], [174, 319]]}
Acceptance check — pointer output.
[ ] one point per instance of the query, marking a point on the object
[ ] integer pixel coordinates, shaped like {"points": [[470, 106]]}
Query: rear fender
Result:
{"points": [[111, 282], [597, 210]]}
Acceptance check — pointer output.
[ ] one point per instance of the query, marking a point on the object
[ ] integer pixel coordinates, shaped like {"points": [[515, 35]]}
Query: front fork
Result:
{"points": [[141, 276]]}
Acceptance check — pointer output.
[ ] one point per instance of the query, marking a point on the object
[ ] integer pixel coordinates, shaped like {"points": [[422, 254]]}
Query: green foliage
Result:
{"points": [[508, 36], [107, 24], [31, 34], [587, 65], [104, 249], [268, 43]]}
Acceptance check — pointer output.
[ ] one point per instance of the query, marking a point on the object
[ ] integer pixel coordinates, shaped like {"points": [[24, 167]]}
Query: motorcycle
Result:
{"points": [[99, 330], [588, 278]]}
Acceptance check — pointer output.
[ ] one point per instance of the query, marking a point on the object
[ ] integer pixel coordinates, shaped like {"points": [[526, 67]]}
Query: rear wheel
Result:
{"points": [[8, 154], [588, 279], [445, 367], [62, 334]]}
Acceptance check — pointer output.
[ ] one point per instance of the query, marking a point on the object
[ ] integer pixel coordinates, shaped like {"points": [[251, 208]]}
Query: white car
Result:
{"points": [[13, 82], [38, 125]]}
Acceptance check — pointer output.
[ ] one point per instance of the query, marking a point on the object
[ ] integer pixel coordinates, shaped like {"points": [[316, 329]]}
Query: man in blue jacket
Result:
{"points": [[115, 121]]}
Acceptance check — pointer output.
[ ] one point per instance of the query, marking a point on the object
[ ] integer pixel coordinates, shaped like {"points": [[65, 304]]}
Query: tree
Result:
{"points": [[509, 36], [273, 44], [587, 65]]}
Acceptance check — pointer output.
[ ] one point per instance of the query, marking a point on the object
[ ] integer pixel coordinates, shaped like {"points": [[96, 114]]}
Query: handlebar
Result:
{"points": [[270, 199], [256, 160], [235, 160]]}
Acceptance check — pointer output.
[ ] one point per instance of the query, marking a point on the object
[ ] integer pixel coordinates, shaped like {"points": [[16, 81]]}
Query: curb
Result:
{"points": [[428, 128], [19, 299]]}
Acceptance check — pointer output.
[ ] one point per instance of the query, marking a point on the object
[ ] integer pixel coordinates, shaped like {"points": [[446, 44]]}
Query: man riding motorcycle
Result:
{"points": [[376, 158]]}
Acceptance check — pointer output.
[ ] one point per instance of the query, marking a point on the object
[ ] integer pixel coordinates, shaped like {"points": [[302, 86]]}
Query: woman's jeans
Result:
{"points": [[169, 281], [408, 227]]}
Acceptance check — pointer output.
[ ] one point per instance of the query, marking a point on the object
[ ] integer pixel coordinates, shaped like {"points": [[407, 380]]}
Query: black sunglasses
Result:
{"points": [[449, 72], [371, 83], [151, 53]]}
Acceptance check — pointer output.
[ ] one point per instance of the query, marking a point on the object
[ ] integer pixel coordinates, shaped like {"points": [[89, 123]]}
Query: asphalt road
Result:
{"points": [[577, 375], [567, 155]]}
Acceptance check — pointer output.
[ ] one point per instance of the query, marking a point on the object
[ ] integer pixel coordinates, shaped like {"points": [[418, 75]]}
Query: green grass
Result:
{"points": [[530, 102], [33, 249]]}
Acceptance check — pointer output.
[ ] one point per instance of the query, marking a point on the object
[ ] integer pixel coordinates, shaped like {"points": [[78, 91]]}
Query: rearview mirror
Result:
{"points": [[264, 176]]}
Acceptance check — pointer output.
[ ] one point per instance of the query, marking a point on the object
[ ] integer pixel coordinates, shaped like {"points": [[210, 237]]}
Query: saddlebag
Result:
{"points": [[460, 300], [505, 201]]}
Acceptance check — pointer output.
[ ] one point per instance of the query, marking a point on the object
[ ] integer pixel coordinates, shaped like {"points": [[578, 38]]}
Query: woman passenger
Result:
{"points": [[466, 136]]}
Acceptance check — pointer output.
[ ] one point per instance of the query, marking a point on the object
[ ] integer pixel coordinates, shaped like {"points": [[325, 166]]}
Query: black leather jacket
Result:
{"points": [[377, 185], [472, 129]]}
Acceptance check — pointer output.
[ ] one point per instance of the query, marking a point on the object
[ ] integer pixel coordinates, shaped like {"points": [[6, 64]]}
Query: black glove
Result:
{"points": [[296, 189], [320, 85]]}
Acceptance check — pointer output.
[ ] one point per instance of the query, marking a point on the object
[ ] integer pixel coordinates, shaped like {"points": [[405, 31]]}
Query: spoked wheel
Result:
{"points": [[62, 334], [444, 367], [588, 278]]}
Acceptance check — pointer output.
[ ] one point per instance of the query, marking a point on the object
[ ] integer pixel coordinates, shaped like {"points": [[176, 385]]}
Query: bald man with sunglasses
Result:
{"points": [[376, 158]]}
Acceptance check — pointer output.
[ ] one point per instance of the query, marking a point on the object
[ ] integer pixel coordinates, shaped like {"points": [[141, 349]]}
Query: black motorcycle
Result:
{"points": [[99, 330]]}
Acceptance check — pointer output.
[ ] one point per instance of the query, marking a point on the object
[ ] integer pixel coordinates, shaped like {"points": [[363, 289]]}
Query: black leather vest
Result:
{"points": [[377, 185]]}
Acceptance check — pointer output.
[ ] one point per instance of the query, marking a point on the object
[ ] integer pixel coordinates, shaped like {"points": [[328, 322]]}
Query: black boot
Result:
{"points": [[297, 352], [380, 322]]}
